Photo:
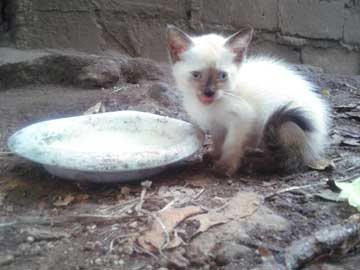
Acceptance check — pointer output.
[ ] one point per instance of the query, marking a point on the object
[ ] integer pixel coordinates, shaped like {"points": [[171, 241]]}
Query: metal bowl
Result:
{"points": [[107, 147]]}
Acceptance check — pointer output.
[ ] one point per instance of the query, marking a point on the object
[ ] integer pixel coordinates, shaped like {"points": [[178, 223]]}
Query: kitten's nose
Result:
{"points": [[209, 93]]}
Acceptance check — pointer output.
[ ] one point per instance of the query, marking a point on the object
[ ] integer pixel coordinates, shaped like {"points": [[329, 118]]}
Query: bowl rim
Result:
{"points": [[198, 135]]}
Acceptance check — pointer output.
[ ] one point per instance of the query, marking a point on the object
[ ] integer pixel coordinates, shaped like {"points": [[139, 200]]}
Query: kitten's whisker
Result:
{"points": [[231, 95]]}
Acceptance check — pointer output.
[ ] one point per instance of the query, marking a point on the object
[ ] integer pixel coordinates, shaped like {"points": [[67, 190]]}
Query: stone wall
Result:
{"points": [[324, 33]]}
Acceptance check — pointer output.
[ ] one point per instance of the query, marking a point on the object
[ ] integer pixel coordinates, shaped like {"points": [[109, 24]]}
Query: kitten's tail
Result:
{"points": [[287, 138]]}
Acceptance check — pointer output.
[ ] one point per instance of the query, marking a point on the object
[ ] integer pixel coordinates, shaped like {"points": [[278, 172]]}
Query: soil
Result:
{"points": [[51, 223]]}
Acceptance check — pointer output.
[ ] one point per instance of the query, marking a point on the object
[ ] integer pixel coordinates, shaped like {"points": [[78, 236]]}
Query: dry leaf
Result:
{"points": [[175, 241], [161, 231], [321, 164], [207, 221], [325, 92], [125, 191], [198, 182], [354, 115], [244, 204], [64, 202], [82, 197], [97, 108]]}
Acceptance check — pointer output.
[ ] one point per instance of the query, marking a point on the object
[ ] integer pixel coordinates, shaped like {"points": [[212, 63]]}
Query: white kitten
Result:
{"points": [[247, 102]]}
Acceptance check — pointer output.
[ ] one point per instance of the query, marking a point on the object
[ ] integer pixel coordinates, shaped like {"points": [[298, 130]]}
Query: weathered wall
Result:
{"points": [[325, 33]]}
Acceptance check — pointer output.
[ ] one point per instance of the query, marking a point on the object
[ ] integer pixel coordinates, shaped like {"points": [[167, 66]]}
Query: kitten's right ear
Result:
{"points": [[239, 43], [178, 42]]}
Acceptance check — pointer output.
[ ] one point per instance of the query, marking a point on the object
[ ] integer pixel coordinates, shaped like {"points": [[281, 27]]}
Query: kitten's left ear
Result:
{"points": [[239, 43], [178, 42]]}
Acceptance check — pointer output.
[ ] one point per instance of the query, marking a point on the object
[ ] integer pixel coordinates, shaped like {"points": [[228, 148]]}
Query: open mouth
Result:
{"points": [[206, 99]]}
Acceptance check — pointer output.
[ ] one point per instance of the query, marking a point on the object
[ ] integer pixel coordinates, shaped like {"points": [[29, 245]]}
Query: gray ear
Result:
{"points": [[178, 42], [239, 43]]}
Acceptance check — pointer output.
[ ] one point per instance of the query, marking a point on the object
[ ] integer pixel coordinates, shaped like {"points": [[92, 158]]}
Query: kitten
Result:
{"points": [[253, 102]]}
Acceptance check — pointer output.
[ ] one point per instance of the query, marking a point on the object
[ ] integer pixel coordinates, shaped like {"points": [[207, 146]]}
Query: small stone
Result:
{"points": [[125, 191], [30, 239], [133, 225], [6, 260], [229, 182], [91, 228], [89, 246], [98, 261], [228, 252], [146, 184], [128, 249]]}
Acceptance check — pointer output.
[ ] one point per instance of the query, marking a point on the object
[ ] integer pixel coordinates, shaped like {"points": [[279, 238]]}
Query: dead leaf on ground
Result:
{"points": [[350, 142], [7, 184], [328, 195], [198, 182], [178, 193], [354, 115], [321, 164], [345, 107], [162, 229], [325, 92], [82, 197], [64, 202], [97, 108], [244, 204]]}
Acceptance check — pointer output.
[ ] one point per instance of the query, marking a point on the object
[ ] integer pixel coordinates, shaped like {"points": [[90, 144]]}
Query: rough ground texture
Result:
{"points": [[316, 32], [50, 223]]}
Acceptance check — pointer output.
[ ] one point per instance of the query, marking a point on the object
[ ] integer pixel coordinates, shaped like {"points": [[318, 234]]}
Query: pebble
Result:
{"points": [[30, 239], [133, 224], [6, 260], [98, 261]]}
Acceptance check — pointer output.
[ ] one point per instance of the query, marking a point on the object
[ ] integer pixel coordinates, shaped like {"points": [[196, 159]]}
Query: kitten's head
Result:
{"points": [[205, 67]]}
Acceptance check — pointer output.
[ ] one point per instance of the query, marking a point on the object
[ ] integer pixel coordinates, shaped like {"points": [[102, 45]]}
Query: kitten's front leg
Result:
{"points": [[234, 144], [218, 137]]}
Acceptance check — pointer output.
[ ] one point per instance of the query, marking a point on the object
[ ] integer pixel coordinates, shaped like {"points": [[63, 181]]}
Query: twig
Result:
{"points": [[6, 153], [7, 224], [295, 175], [199, 194], [352, 168], [289, 189], [139, 249], [146, 185], [165, 231], [167, 206], [336, 239]]}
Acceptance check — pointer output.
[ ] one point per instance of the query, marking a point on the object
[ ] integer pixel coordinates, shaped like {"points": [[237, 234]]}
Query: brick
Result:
{"points": [[257, 13], [332, 60], [351, 27], [312, 18]]}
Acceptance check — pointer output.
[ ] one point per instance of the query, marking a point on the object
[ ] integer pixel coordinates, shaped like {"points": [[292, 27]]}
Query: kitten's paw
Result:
{"points": [[209, 159], [224, 168]]}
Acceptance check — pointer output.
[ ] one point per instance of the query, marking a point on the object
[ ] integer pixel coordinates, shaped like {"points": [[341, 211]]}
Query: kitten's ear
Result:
{"points": [[239, 42], [178, 42]]}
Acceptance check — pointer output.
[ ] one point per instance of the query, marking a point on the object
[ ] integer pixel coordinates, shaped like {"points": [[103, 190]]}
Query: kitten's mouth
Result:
{"points": [[206, 99]]}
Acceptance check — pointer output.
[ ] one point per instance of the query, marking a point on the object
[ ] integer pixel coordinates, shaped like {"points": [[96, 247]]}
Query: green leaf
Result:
{"points": [[350, 192]]}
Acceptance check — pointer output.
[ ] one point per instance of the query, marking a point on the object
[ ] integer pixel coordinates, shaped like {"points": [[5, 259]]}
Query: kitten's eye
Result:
{"points": [[222, 75], [196, 75]]}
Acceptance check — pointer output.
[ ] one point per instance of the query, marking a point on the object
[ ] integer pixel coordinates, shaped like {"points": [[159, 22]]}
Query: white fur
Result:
{"points": [[259, 86]]}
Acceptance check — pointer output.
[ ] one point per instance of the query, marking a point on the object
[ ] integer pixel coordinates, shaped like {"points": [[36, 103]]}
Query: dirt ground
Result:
{"points": [[248, 221]]}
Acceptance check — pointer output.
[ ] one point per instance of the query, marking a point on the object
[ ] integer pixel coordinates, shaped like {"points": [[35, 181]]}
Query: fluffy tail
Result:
{"points": [[286, 138]]}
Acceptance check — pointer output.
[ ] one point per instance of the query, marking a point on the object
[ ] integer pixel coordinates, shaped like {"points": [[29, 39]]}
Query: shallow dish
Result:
{"points": [[107, 147]]}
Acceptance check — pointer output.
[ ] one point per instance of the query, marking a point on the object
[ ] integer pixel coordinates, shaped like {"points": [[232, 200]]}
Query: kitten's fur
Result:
{"points": [[247, 102]]}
